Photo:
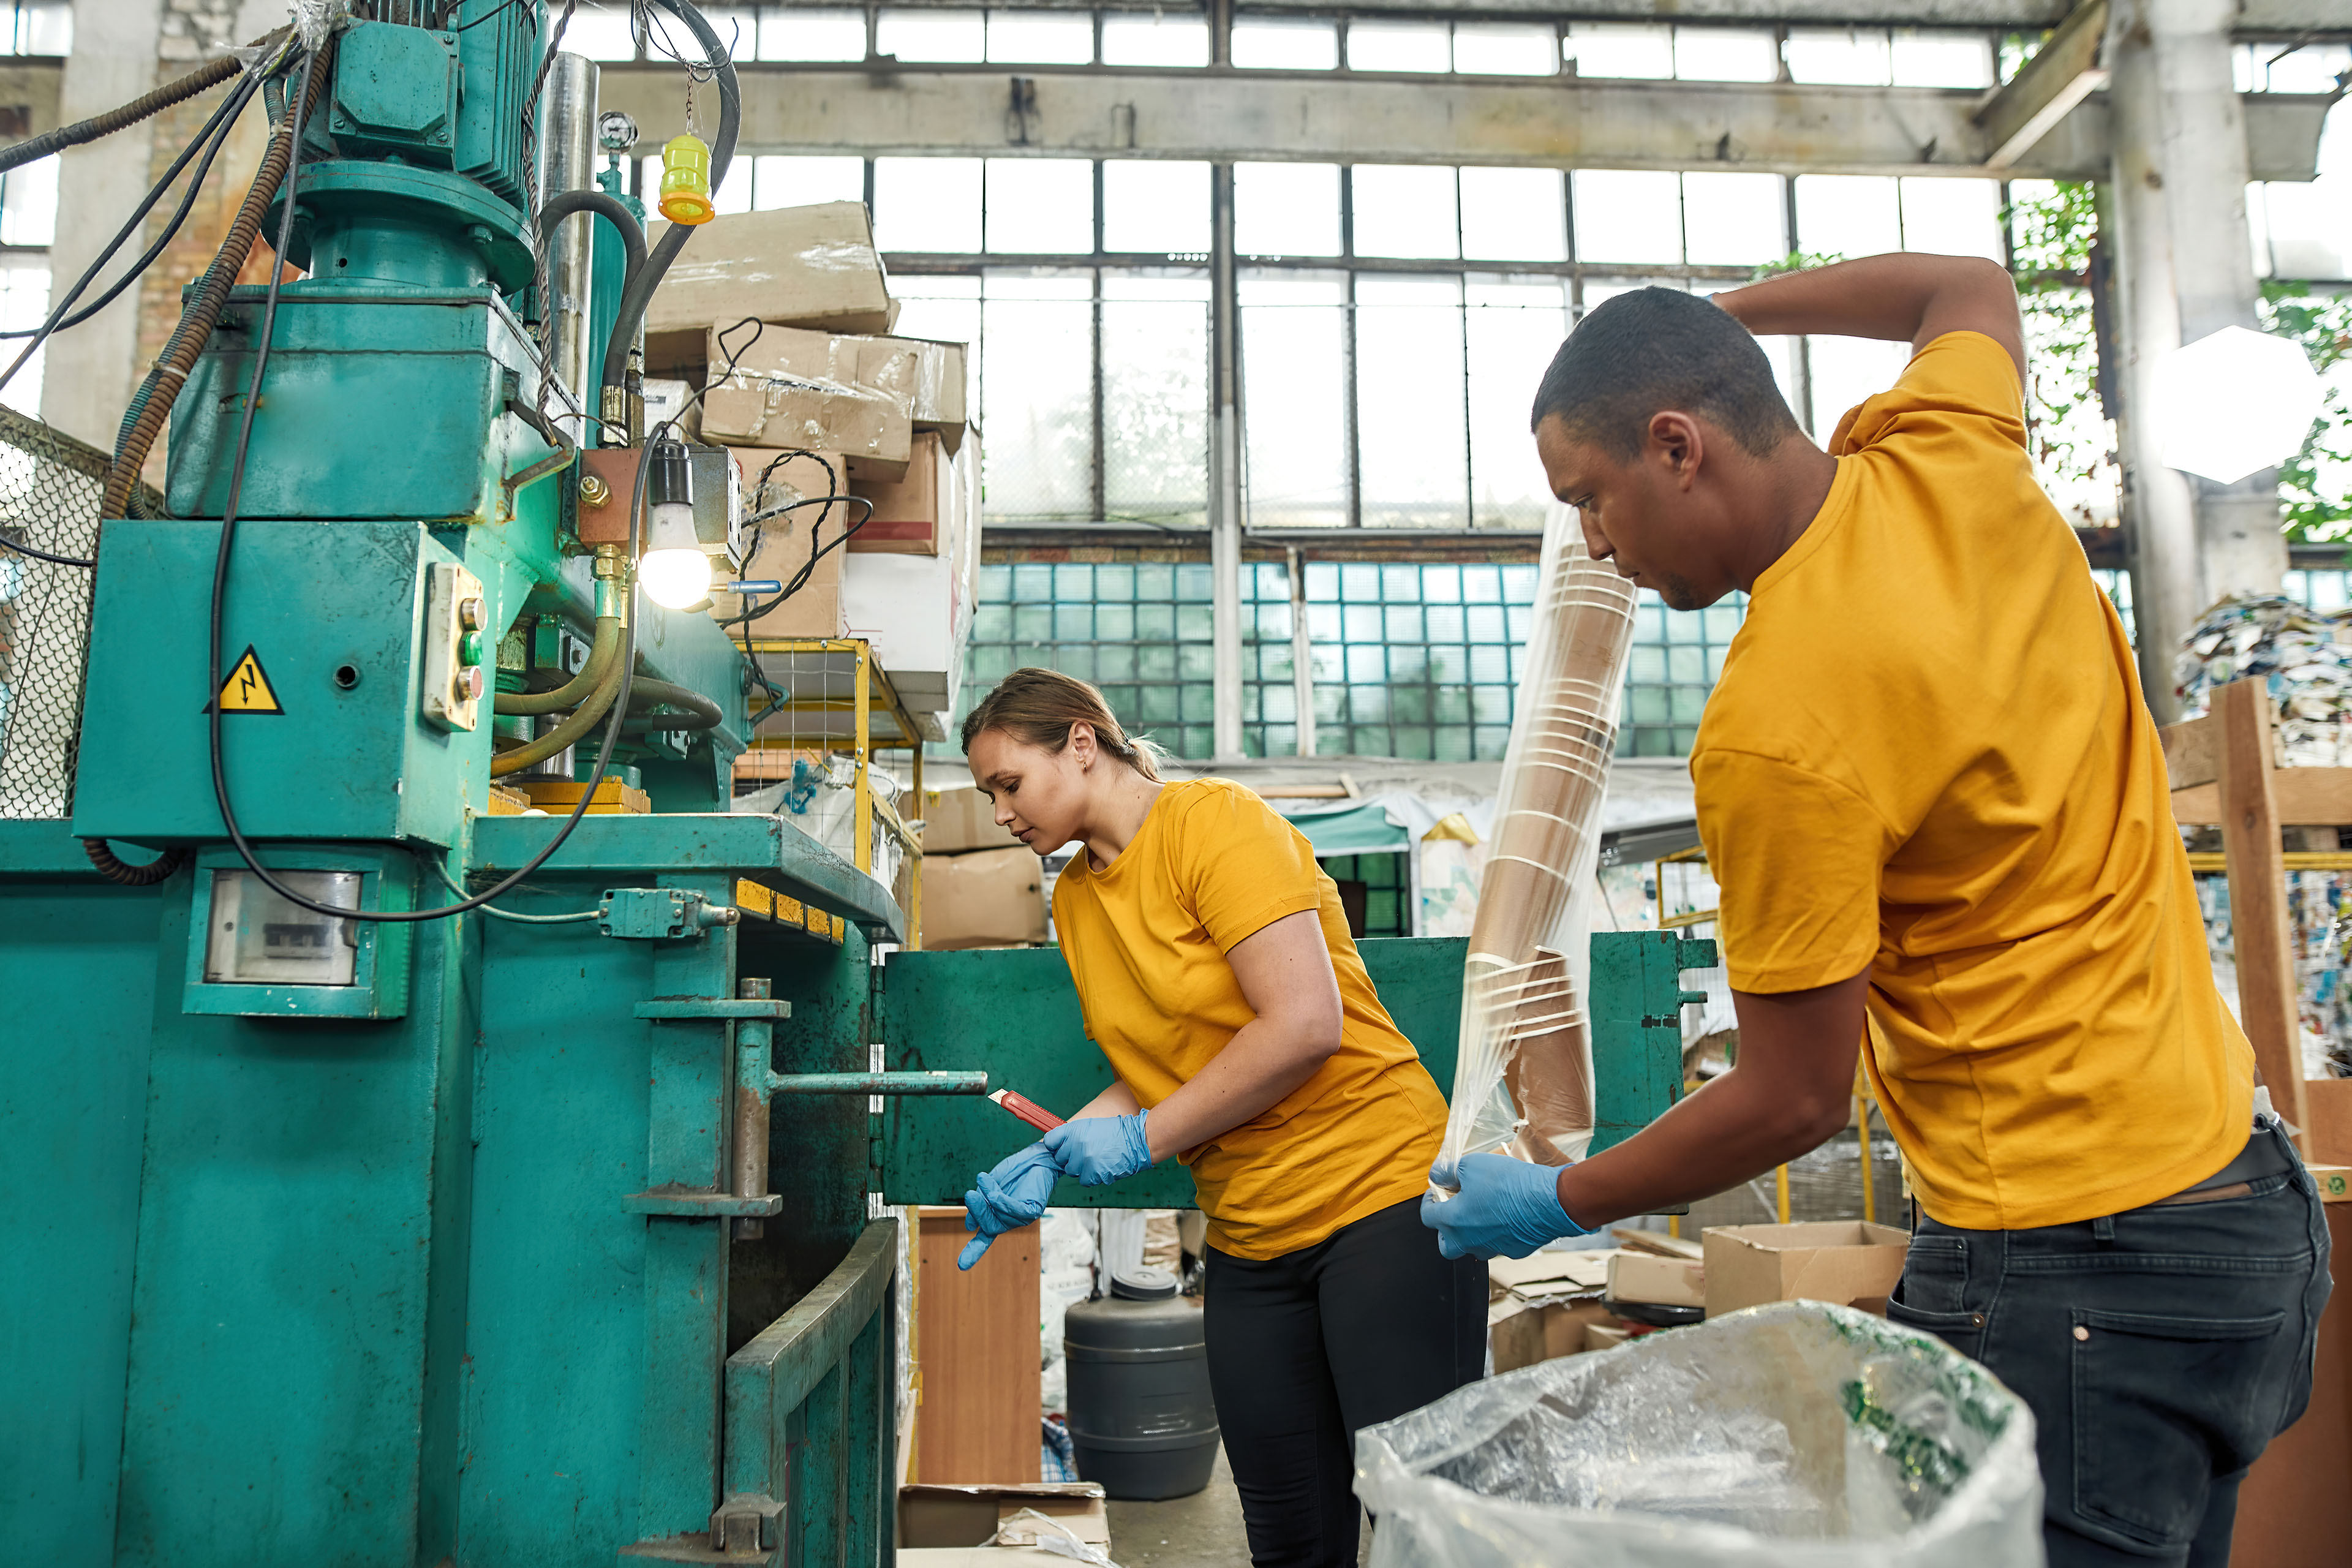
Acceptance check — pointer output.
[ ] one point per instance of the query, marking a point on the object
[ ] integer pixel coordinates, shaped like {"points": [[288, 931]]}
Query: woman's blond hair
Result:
{"points": [[1038, 707]]}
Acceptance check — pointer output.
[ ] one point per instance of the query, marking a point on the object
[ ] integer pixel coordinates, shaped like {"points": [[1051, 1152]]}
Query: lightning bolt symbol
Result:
{"points": [[244, 679]]}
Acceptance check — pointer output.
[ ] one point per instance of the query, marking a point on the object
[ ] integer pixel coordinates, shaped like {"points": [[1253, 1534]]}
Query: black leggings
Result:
{"points": [[1305, 1349]]}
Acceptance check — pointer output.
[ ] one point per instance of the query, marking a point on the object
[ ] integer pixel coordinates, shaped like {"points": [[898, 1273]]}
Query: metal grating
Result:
{"points": [[49, 489]]}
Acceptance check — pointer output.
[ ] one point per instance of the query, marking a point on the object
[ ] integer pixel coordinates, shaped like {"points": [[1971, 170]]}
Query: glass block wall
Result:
{"points": [[1415, 660], [1140, 630]]}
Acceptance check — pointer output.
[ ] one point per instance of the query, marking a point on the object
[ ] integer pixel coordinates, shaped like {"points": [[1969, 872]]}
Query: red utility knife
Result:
{"points": [[1029, 1110]]}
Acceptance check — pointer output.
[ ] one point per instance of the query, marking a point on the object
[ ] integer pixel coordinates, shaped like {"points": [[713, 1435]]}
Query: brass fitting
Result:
{"points": [[593, 490], [612, 581]]}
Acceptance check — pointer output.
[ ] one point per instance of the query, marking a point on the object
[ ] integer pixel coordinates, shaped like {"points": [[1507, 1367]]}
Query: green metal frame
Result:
{"points": [[1014, 1014]]}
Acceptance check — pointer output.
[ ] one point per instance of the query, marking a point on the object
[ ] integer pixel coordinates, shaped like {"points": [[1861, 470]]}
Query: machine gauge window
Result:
{"points": [[258, 938]]}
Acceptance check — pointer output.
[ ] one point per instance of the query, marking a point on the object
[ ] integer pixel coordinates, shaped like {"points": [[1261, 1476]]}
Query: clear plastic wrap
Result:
{"points": [[1791, 1436], [1523, 1083]]}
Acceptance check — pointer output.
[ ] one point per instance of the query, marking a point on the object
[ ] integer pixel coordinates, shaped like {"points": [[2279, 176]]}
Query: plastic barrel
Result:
{"points": [[1140, 1415]]}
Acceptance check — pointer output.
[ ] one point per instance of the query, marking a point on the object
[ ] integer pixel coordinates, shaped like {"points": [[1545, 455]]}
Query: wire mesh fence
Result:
{"points": [[49, 489]]}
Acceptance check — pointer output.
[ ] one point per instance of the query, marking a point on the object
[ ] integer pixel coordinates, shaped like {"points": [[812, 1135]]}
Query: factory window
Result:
{"points": [[1399, 46], [601, 33], [2304, 229], [1505, 48], [1154, 40], [1271, 44], [39, 27], [941, 37], [795, 34], [24, 302]]}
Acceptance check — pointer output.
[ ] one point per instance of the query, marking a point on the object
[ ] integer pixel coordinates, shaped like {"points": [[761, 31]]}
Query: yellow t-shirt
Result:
{"points": [[1929, 756], [1146, 937]]}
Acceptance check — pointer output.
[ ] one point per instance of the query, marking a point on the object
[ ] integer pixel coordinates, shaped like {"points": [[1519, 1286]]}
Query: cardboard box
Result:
{"points": [[1605, 1337], [924, 378], [805, 267], [917, 610], [934, 1517], [1521, 1334], [813, 611], [748, 410], [1665, 1281], [910, 513], [1842, 1262], [959, 821], [990, 898]]}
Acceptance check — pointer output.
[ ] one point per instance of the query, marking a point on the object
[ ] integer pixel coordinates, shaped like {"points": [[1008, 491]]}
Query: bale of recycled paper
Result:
{"points": [[1523, 1081], [1792, 1435]]}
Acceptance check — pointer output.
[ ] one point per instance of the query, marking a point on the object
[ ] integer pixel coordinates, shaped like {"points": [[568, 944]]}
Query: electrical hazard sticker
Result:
{"points": [[247, 689]]}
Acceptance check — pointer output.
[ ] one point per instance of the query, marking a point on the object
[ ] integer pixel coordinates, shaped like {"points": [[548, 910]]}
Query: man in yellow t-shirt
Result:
{"points": [[1936, 806]]}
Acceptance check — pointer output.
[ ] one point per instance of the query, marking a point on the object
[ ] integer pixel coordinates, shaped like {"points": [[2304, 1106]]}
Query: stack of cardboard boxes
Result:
{"points": [[982, 887], [1552, 1304], [780, 320]]}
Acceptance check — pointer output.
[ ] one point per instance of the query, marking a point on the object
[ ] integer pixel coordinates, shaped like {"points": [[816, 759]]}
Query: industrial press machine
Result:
{"points": [[396, 1183]]}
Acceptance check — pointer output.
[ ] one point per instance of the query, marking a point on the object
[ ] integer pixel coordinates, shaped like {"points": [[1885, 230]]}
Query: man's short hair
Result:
{"points": [[1656, 349]]}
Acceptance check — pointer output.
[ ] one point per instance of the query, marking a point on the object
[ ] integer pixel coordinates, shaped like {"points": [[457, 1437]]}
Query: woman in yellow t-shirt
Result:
{"points": [[1215, 968]]}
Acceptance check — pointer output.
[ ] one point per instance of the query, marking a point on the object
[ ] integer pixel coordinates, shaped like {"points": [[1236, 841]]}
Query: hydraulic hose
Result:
{"points": [[582, 719], [697, 711], [150, 407], [563, 204], [601, 652], [211, 73], [639, 291]]}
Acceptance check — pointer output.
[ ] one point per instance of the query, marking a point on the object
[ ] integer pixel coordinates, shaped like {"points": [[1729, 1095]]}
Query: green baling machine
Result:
{"points": [[394, 1183]]}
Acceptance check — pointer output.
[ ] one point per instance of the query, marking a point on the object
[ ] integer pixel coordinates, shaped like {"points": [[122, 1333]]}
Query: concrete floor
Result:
{"points": [[1203, 1531]]}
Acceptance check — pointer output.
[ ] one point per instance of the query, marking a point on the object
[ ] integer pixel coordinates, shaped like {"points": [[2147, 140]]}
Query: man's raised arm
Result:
{"points": [[1906, 297]]}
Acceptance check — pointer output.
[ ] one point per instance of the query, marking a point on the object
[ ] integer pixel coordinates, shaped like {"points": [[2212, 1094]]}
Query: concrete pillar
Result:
{"points": [[1225, 470], [2184, 269], [87, 372]]}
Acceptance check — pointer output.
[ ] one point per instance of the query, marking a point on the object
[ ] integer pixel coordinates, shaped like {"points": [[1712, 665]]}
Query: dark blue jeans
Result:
{"points": [[2161, 1349]]}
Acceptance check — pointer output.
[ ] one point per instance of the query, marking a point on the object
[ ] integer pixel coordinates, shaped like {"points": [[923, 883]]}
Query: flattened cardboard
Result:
{"points": [[1842, 1262], [937, 1516]]}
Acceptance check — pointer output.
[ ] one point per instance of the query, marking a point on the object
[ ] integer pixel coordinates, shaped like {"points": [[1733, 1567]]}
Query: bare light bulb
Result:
{"points": [[676, 578]]}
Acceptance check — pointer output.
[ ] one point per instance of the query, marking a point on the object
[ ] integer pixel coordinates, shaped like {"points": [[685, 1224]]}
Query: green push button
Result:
{"points": [[470, 648]]}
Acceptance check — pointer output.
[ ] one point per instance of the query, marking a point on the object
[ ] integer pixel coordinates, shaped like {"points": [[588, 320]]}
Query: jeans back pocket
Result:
{"points": [[2162, 1406]]}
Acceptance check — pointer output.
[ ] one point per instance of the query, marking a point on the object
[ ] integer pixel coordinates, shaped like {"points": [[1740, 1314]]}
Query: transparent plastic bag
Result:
{"points": [[1792, 1435]]}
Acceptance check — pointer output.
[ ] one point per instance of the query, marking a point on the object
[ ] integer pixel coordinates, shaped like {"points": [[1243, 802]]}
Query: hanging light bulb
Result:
{"points": [[2233, 403], [674, 569]]}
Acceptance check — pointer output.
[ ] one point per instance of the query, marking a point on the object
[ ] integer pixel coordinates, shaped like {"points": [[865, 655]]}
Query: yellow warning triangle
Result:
{"points": [[247, 689]]}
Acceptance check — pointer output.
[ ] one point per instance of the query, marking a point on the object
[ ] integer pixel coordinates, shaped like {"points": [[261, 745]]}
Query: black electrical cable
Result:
{"points": [[23, 549], [210, 138], [220, 599], [635, 299]]}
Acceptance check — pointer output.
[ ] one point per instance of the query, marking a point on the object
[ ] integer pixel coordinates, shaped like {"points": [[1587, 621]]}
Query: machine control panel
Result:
{"points": [[456, 617]]}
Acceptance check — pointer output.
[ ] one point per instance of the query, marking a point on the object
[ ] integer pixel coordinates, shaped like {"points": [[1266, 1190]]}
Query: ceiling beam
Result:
{"points": [[2320, 20], [2064, 71], [1261, 116]]}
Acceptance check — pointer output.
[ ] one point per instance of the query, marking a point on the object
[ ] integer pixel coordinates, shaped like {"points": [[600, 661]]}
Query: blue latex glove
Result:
{"points": [[1008, 1197], [1099, 1149], [1502, 1207]]}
